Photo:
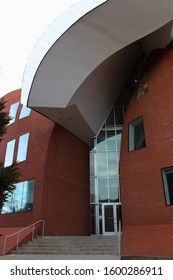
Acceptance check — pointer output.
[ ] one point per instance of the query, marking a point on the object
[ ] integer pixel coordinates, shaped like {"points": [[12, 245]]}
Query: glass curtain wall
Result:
{"points": [[104, 161], [104, 168]]}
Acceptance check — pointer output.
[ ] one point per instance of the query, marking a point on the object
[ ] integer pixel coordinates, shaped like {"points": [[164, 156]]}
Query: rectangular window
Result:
{"points": [[9, 153], [13, 112], [25, 112], [136, 135], [143, 86], [23, 147], [167, 175], [21, 199]]}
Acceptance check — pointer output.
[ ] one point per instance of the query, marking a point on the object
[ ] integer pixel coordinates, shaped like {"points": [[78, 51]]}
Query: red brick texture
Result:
{"points": [[11, 242], [40, 129], [147, 221], [66, 203], [59, 163]]}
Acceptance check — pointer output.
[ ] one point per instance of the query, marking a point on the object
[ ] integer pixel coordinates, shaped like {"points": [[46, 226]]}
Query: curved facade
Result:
{"points": [[108, 74], [146, 172], [54, 167]]}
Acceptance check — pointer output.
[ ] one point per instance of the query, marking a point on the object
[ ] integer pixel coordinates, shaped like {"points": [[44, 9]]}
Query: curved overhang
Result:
{"points": [[82, 62]]}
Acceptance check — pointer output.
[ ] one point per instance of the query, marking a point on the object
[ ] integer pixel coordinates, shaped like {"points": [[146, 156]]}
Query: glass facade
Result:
{"points": [[105, 196], [104, 174], [21, 199]]}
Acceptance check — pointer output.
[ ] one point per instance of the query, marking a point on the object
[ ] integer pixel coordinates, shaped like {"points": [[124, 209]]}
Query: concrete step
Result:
{"points": [[63, 245], [26, 252]]}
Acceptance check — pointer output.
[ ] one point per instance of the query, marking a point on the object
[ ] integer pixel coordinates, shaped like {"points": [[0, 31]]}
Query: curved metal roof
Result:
{"points": [[81, 63]]}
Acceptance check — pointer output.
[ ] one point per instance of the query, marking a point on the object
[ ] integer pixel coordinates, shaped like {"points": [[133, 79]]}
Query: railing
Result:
{"points": [[119, 237], [19, 232]]}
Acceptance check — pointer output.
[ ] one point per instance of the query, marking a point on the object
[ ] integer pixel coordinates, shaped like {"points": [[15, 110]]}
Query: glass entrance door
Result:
{"points": [[109, 219]]}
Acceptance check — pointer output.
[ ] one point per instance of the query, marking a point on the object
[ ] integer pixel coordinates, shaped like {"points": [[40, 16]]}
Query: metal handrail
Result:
{"points": [[19, 231]]}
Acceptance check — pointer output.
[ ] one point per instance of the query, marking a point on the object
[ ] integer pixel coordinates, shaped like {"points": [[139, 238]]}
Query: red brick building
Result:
{"points": [[102, 75], [146, 200], [58, 169]]}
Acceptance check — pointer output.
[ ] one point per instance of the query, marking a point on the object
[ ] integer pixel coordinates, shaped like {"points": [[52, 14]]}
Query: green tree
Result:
{"points": [[8, 175], [4, 119]]}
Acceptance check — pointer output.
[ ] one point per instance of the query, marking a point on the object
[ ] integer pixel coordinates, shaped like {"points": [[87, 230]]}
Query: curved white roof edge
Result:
{"points": [[82, 62], [50, 36]]}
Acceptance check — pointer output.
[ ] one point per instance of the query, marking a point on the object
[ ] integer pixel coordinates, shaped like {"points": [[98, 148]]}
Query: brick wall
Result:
{"points": [[66, 185], [142, 192], [40, 129]]}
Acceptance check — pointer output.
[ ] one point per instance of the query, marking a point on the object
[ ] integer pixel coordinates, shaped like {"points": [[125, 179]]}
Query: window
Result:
{"points": [[25, 112], [13, 112], [143, 86], [21, 199], [9, 153], [167, 175], [136, 135], [23, 147]]}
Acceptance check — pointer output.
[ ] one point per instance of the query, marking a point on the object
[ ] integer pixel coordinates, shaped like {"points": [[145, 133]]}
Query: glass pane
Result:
{"points": [[23, 147], [118, 139], [170, 186], [109, 218], [111, 142], [93, 164], [119, 217], [119, 115], [29, 195], [136, 135], [110, 120], [9, 153], [113, 164], [114, 189], [7, 205], [101, 146], [103, 190], [92, 143], [92, 190], [102, 164], [100, 219], [13, 112], [25, 112], [21, 199], [17, 198], [143, 86], [139, 139], [93, 219]]}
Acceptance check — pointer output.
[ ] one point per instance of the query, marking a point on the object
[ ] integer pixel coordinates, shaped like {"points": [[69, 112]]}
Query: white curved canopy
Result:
{"points": [[81, 63]]}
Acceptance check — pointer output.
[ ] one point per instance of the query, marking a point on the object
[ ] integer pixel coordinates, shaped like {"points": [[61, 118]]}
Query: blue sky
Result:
{"points": [[22, 23]]}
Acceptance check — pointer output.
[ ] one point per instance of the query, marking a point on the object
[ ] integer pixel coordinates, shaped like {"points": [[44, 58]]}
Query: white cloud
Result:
{"points": [[22, 23]]}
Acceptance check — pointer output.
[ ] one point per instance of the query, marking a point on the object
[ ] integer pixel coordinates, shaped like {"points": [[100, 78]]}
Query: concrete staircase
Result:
{"points": [[72, 245]]}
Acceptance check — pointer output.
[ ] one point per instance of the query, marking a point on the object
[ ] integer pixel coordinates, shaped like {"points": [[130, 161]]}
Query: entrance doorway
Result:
{"points": [[109, 219], [105, 219]]}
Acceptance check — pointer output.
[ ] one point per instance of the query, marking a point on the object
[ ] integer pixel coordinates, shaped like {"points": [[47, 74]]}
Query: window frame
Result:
{"points": [[142, 87], [23, 113], [25, 151], [131, 140], [22, 201], [10, 151], [15, 113], [164, 172]]}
